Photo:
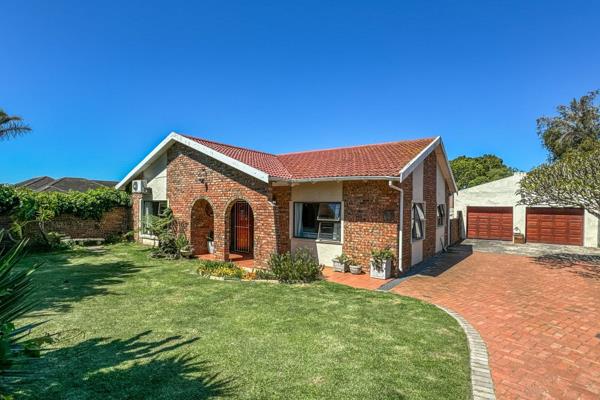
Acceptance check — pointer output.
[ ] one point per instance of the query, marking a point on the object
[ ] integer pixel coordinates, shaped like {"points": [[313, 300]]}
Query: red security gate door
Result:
{"points": [[490, 223], [242, 228], [555, 225]]}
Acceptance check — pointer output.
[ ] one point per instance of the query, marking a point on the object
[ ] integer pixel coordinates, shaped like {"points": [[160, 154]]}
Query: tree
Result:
{"points": [[11, 125], [577, 127], [572, 181], [473, 171]]}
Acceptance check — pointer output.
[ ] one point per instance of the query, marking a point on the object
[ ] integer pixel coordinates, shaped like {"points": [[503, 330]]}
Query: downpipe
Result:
{"points": [[401, 233]]}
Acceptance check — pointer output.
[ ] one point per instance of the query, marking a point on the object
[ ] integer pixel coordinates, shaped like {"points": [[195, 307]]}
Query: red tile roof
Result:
{"points": [[265, 162], [383, 159]]}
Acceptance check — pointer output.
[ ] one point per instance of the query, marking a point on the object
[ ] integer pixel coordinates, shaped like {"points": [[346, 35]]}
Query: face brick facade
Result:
{"points": [[202, 190]]}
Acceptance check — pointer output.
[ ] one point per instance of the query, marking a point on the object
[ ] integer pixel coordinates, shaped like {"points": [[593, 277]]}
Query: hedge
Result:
{"points": [[26, 205]]}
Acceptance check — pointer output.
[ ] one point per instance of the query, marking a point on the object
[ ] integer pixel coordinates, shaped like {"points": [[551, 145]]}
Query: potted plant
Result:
{"points": [[210, 242], [381, 263], [355, 269], [341, 263]]}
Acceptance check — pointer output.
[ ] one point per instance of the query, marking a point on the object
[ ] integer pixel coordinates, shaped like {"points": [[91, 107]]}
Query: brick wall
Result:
{"points": [[113, 222], [454, 231], [136, 199], [282, 195], [371, 217], [202, 223], [430, 198], [223, 185]]}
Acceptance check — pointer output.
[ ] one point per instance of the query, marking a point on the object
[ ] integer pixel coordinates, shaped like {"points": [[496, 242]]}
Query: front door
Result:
{"points": [[242, 227]]}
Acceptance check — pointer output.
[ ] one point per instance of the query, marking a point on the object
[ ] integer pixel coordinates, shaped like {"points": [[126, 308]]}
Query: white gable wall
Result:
{"points": [[156, 176], [417, 182], [441, 199]]}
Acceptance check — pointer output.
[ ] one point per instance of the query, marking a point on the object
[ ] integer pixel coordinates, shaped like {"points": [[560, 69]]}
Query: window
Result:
{"points": [[441, 214], [318, 221], [418, 221], [150, 208]]}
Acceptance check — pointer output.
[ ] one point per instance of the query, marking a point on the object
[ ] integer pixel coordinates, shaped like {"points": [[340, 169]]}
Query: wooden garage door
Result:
{"points": [[490, 223], [555, 225]]}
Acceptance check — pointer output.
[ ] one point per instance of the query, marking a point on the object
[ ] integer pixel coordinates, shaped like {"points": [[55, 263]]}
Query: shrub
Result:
{"points": [[300, 266], [264, 274], [170, 244], [222, 269], [16, 288], [8, 199], [56, 241]]}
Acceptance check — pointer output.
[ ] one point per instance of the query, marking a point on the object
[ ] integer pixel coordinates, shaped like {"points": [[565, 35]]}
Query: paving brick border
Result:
{"points": [[481, 378]]}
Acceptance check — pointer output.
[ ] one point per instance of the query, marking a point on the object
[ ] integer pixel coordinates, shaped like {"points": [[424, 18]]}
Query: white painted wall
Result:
{"points": [[417, 182], [317, 192], [440, 193], [502, 193], [156, 175], [591, 231]]}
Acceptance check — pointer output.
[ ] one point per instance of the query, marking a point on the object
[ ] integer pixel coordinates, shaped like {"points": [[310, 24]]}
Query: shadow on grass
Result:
{"points": [[59, 282], [135, 368], [586, 266]]}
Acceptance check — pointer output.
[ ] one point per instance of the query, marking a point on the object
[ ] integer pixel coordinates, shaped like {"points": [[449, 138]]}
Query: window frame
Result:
{"points": [[422, 221], [443, 215], [319, 221], [143, 231]]}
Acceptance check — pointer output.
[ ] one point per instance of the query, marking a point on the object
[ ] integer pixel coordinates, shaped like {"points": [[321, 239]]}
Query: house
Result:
{"points": [[350, 199], [48, 184], [491, 211]]}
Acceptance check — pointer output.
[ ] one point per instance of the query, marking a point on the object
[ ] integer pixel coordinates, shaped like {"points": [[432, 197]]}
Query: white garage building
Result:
{"points": [[490, 211]]}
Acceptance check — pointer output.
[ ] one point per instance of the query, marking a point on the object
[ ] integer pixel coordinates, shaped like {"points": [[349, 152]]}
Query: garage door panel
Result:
{"points": [[489, 223], [555, 225]]}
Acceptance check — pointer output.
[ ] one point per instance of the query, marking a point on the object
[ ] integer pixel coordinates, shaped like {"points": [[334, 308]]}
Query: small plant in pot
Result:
{"points": [[355, 269], [210, 242], [341, 263], [381, 263]]}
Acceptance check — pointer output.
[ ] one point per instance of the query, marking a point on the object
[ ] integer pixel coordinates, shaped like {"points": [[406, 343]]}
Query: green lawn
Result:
{"points": [[129, 327]]}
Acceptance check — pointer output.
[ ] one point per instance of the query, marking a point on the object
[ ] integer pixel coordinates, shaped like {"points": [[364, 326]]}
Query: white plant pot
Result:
{"points": [[211, 246], [339, 267], [356, 269], [383, 272]]}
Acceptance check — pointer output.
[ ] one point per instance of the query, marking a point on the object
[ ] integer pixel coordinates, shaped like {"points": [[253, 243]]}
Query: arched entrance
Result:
{"points": [[202, 227], [241, 236]]}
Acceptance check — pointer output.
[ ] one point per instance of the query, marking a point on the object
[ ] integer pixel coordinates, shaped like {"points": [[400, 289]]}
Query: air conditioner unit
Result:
{"points": [[138, 186]]}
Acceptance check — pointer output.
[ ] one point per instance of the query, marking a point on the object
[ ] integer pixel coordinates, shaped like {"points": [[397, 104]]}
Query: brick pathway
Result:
{"points": [[362, 281], [540, 318]]}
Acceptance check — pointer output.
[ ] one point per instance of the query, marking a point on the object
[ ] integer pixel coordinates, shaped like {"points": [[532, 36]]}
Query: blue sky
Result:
{"points": [[101, 84]]}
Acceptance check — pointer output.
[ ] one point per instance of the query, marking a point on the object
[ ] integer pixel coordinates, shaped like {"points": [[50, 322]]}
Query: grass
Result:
{"points": [[129, 327]]}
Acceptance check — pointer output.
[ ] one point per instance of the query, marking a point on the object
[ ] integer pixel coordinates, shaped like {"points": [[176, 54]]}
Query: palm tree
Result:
{"points": [[11, 125]]}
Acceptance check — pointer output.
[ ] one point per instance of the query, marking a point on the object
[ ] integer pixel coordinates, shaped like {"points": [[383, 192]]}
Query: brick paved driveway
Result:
{"points": [[540, 317]]}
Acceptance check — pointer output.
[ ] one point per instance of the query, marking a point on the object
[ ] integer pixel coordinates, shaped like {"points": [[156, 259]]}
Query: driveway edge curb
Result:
{"points": [[481, 377]]}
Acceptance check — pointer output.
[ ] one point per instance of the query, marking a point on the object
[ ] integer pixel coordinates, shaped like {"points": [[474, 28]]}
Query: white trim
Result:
{"points": [[174, 137], [410, 167], [153, 155]]}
